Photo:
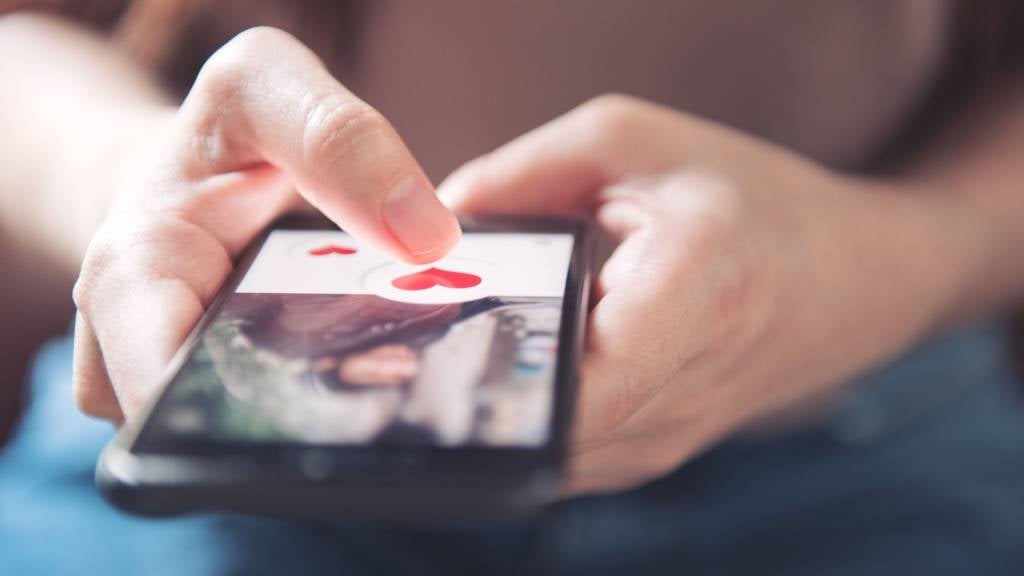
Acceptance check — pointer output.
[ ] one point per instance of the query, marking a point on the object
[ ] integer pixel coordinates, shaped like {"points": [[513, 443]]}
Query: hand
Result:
{"points": [[264, 126], [746, 278]]}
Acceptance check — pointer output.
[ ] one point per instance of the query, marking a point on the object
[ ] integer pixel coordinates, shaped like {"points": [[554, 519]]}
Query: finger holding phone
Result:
{"points": [[264, 129], [746, 279]]}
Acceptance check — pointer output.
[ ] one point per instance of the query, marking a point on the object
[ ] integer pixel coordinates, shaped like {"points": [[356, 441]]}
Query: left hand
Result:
{"points": [[747, 278]]}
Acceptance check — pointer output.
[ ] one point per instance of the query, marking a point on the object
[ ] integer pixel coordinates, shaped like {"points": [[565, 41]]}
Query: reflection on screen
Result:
{"points": [[326, 341]]}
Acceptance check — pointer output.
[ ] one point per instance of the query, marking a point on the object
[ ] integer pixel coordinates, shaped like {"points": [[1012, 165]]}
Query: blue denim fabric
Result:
{"points": [[919, 471]]}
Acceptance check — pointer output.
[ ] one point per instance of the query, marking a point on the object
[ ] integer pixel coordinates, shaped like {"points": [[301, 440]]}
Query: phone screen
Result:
{"points": [[326, 341]]}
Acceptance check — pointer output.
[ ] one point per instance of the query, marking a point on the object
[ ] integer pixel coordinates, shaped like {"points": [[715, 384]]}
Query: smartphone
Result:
{"points": [[327, 380]]}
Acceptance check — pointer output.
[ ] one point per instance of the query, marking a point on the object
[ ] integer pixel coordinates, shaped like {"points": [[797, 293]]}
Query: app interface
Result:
{"points": [[327, 341]]}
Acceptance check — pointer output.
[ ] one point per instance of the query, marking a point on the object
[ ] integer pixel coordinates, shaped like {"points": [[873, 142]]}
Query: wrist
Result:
{"points": [[927, 250], [889, 266], [970, 236]]}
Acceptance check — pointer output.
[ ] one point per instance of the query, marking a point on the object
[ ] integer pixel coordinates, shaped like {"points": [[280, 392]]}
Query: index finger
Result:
{"points": [[264, 97]]}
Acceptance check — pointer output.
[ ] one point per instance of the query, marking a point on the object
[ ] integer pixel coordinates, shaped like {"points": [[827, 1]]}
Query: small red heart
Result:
{"points": [[435, 277], [331, 249]]}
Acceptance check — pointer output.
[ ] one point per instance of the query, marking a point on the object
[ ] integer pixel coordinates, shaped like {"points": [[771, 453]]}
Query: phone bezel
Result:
{"points": [[192, 462]]}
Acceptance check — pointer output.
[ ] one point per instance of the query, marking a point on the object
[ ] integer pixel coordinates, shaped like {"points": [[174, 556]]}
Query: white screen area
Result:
{"points": [[303, 262]]}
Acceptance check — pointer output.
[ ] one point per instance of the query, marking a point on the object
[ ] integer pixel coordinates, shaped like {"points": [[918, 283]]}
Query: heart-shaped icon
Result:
{"points": [[435, 277], [331, 249]]}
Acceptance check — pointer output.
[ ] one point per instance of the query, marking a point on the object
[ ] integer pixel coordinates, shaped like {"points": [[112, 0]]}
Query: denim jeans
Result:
{"points": [[919, 471]]}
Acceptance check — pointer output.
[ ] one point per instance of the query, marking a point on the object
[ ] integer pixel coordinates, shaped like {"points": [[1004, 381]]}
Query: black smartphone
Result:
{"points": [[327, 380]]}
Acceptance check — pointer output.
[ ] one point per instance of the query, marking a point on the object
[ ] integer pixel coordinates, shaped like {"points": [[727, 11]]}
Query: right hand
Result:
{"points": [[264, 128]]}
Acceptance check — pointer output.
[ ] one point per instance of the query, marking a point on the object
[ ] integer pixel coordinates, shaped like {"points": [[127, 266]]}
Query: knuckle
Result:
{"points": [[118, 254], [706, 211], [219, 77], [335, 126], [239, 53], [99, 259], [202, 115], [610, 115], [93, 396], [710, 221], [477, 174], [613, 103], [260, 37], [80, 292], [233, 62], [88, 398], [228, 70], [716, 233]]}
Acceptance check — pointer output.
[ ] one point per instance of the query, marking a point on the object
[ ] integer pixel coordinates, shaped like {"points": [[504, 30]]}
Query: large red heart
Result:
{"points": [[331, 249], [435, 277]]}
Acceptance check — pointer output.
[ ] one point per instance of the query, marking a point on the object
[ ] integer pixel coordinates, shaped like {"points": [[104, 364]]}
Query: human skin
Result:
{"points": [[386, 365], [265, 129], [747, 278]]}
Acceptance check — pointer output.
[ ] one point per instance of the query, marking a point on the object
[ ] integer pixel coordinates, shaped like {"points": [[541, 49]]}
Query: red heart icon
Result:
{"points": [[435, 277], [331, 249]]}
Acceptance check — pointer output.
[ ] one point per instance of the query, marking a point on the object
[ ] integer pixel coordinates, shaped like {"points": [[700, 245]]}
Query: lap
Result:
{"points": [[919, 471]]}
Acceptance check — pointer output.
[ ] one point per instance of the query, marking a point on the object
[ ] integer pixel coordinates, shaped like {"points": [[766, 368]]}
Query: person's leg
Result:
{"points": [[895, 484], [921, 472]]}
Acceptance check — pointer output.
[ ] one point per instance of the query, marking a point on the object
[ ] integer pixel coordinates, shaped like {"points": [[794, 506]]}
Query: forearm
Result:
{"points": [[907, 256], [974, 177], [75, 113]]}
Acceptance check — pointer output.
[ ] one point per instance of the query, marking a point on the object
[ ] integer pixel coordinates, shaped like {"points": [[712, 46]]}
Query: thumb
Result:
{"points": [[561, 167]]}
